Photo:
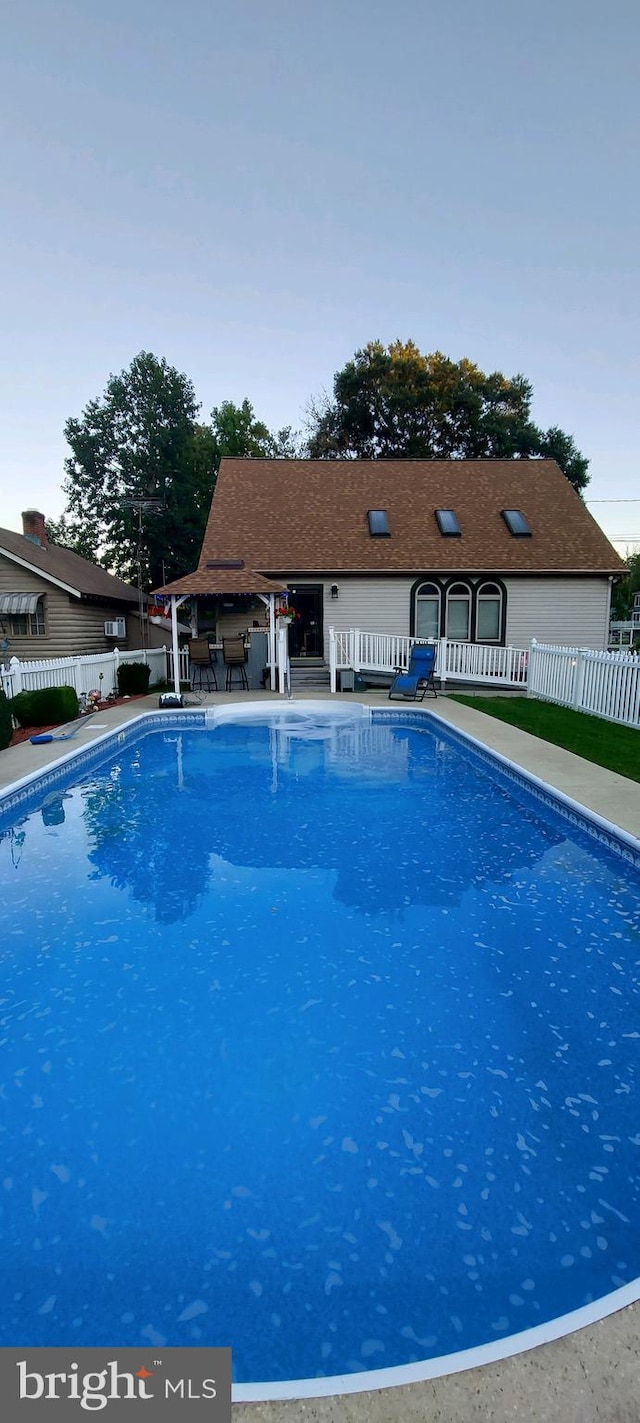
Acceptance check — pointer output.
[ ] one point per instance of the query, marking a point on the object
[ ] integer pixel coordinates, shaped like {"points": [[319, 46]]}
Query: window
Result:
{"points": [[22, 614], [448, 523], [378, 523], [26, 624], [458, 612], [489, 613], [516, 523], [428, 610]]}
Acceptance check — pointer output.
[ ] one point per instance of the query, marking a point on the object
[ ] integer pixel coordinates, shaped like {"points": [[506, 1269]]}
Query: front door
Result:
{"points": [[305, 632]]}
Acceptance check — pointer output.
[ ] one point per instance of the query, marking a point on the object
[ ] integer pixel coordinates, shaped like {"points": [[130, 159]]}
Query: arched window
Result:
{"points": [[458, 623], [428, 610], [489, 613]]}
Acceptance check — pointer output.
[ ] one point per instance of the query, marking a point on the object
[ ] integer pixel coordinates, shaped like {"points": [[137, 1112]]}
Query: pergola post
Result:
{"points": [[272, 640], [175, 604], [270, 600]]}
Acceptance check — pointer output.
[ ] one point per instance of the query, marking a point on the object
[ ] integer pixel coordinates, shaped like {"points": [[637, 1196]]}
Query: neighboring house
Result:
{"points": [[627, 634], [55, 604], [490, 551]]}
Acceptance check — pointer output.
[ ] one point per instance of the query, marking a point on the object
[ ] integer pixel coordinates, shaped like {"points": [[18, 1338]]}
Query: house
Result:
{"points": [[55, 604], [488, 551], [625, 635]]}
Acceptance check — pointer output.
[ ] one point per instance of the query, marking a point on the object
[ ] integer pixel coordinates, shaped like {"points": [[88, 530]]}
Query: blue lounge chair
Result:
{"points": [[412, 684]]}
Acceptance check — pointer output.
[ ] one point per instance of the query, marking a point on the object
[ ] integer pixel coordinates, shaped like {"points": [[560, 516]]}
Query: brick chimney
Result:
{"points": [[34, 527]]}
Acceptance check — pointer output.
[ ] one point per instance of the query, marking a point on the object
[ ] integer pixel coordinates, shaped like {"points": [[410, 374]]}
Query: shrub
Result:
{"points": [[51, 706], [133, 678], [6, 724]]}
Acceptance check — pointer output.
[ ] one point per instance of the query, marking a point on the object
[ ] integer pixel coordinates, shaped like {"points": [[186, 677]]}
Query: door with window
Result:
{"points": [[305, 629]]}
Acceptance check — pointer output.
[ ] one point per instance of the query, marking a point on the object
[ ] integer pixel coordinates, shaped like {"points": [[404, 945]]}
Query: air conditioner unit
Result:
{"points": [[116, 628]]}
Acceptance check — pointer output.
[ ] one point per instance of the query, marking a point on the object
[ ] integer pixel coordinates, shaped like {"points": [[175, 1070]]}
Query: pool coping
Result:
{"points": [[18, 792], [425, 1370]]}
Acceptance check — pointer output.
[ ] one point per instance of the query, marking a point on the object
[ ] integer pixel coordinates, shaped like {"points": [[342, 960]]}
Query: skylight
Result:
{"points": [[448, 523], [225, 563], [378, 523], [516, 523]]}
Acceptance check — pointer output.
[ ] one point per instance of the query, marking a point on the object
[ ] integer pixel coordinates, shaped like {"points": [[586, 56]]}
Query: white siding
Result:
{"points": [[571, 612], [370, 604], [567, 612]]}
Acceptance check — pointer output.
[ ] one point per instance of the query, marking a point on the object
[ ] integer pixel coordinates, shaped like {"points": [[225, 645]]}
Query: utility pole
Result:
{"points": [[146, 506]]}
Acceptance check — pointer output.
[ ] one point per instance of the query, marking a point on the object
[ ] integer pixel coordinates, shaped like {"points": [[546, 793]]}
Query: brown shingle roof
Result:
{"points": [[60, 564], [222, 580], [309, 516]]}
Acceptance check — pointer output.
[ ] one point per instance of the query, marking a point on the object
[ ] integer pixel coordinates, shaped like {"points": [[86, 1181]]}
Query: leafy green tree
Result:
{"points": [[394, 402], [238, 433], [139, 441], [622, 595], [59, 532]]}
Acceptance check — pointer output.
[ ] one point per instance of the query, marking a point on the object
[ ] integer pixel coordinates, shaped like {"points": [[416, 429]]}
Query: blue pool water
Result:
{"points": [[324, 1046]]}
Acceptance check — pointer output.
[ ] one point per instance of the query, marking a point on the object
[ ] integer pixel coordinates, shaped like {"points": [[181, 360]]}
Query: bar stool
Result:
{"points": [[203, 672], [234, 656]]}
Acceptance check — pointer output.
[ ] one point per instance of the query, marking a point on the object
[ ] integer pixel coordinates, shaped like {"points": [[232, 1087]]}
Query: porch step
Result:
{"points": [[309, 675]]}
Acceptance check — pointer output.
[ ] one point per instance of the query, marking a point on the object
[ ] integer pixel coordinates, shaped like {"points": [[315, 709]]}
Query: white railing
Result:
{"points": [[183, 665], [93, 671], [606, 684], [457, 661]]}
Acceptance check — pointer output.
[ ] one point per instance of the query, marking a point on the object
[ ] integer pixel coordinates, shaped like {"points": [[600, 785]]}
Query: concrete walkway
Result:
{"points": [[592, 1376]]}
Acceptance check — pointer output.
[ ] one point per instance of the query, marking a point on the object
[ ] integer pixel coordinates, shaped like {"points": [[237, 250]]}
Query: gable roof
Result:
{"points": [[310, 516], [206, 580], [65, 569]]}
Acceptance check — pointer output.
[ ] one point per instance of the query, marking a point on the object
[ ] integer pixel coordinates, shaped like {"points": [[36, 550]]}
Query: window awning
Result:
{"points": [[14, 603]]}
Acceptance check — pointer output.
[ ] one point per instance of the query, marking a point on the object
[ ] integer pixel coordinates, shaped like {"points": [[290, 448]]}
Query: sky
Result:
{"points": [[254, 189]]}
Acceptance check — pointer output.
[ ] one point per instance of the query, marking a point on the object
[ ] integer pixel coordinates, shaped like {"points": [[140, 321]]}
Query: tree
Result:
{"points": [[393, 402], [238, 433], [59, 532], [622, 595], [139, 441]]}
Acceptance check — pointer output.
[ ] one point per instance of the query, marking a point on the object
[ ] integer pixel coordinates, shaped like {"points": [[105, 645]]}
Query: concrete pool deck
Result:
{"points": [[591, 1376]]}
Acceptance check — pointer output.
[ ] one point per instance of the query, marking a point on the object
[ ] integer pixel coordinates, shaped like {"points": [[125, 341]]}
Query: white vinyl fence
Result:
{"points": [[455, 661], [183, 664], [95, 671], [606, 684]]}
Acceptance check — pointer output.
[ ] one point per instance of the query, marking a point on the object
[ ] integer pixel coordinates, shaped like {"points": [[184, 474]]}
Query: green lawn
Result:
{"points": [[606, 743]]}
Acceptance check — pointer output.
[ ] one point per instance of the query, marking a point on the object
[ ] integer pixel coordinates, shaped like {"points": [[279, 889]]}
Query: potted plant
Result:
{"points": [[286, 612]]}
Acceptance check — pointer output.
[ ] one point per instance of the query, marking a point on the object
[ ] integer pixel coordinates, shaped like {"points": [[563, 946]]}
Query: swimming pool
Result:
{"points": [[319, 1039]]}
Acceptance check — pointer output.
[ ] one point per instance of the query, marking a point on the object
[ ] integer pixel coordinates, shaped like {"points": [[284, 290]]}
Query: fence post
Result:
{"points": [[116, 663], [333, 680], [530, 667], [16, 675], [578, 681], [441, 661]]}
